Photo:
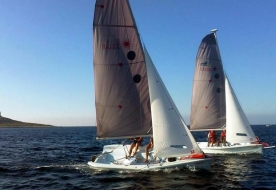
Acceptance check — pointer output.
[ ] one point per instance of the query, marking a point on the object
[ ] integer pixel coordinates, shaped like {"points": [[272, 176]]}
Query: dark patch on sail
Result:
{"points": [[241, 134], [204, 64], [216, 76], [178, 146], [137, 78], [131, 55], [218, 90], [148, 105]]}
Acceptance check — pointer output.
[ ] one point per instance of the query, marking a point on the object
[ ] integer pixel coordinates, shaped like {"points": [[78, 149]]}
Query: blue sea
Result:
{"points": [[56, 158]]}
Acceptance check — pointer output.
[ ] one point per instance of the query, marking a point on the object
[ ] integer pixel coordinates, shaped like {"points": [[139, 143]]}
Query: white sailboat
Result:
{"points": [[215, 105], [131, 99]]}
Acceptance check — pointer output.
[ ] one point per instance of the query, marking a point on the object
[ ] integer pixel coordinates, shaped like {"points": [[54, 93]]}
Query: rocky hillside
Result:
{"points": [[6, 122]]}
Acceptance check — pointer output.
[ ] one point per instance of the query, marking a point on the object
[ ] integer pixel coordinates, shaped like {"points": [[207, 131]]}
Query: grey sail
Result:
{"points": [[121, 82], [208, 97]]}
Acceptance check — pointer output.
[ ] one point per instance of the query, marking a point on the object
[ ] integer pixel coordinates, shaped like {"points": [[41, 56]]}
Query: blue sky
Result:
{"points": [[46, 69]]}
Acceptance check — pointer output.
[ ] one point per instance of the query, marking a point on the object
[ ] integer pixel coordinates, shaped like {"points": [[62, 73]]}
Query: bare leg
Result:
{"points": [[212, 142], [218, 142], [149, 146], [131, 147], [136, 148], [147, 154]]}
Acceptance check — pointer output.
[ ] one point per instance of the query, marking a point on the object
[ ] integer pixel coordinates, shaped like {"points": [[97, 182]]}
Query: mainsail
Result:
{"points": [[208, 98], [121, 82], [171, 136]]}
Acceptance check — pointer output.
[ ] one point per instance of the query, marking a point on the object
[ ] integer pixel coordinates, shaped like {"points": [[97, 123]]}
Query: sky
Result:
{"points": [[46, 54]]}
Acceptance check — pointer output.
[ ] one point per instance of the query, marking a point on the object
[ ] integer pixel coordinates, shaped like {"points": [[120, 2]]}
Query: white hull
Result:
{"points": [[116, 160], [268, 147], [241, 148]]}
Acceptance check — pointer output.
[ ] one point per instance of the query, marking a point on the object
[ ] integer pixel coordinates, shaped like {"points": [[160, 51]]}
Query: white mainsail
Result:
{"points": [[170, 134], [237, 125]]}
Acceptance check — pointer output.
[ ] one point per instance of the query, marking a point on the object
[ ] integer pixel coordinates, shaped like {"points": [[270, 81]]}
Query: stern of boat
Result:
{"points": [[237, 148]]}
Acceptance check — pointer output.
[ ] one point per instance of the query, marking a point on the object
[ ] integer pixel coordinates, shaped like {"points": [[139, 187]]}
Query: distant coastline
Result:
{"points": [[10, 123]]}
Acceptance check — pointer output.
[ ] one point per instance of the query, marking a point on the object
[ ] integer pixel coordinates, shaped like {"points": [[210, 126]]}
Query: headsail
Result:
{"points": [[208, 98], [121, 83], [170, 133], [237, 125]]}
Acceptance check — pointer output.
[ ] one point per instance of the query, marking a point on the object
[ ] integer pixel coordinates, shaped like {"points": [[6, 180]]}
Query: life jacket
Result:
{"points": [[196, 156], [265, 144], [211, 134]]}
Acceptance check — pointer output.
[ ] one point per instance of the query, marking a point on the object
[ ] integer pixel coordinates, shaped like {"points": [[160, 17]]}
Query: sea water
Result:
{"points": [[56, 158]]}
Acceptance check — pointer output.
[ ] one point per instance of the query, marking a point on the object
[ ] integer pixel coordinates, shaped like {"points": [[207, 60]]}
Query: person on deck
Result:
{"points": [[149, 146], [135, 144], [211, 138], [222, 138]]}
